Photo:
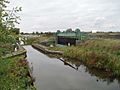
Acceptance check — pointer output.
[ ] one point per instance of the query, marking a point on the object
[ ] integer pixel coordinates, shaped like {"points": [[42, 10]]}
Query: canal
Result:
{"points": [[53, 74]]}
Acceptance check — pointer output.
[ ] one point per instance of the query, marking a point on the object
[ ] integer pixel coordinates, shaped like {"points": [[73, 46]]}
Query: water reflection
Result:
{"points": [[101, 75], [67, 74]]}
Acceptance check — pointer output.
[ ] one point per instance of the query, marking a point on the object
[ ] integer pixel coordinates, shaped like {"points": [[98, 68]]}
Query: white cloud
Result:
{"points": [[51, 15]]}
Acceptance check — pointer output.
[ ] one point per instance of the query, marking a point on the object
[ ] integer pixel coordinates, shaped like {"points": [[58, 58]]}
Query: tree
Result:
{"points": [[2, 9], [58, 31], [69, 30], [37, 33], [33, 33], [16, 31], [8, 18], [77, 30], [22, 33]]}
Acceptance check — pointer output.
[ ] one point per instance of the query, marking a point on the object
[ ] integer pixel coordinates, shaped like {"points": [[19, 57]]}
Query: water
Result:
{"points": [[53, 74]]}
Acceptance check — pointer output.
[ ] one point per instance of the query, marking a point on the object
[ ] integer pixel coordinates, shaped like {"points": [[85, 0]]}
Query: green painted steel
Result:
{"points": [[72, 34]]}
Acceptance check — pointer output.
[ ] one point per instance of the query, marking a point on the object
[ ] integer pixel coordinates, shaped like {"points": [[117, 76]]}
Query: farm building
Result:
{"points": [[70, 37]]}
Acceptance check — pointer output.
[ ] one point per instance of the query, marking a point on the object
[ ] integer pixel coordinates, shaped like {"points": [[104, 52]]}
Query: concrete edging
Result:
{"points": [[45, 50], [21, 51]]}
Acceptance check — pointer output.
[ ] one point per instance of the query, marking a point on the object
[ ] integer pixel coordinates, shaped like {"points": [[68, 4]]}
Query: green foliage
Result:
{"points": [[30, 41], [6, 42], [16, 31], [10, 17], [8, 32], [14, 74], [39, 39]]}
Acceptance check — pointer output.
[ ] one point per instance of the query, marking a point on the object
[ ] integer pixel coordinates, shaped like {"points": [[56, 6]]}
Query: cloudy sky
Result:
{"points": [[52, 15]]}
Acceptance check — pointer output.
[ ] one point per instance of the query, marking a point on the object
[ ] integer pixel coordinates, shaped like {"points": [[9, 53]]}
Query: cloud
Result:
{"points": [[51, 15]]}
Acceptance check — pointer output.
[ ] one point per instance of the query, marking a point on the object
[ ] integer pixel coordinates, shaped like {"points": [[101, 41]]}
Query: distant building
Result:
{"points": [[70, 37]]}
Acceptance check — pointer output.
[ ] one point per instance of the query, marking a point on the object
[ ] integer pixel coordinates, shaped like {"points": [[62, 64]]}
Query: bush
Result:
{"points": [[14, 74]]}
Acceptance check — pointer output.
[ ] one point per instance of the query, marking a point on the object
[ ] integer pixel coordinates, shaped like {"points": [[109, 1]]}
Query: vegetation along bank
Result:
{"points": [[98, 53], [15, 75]]}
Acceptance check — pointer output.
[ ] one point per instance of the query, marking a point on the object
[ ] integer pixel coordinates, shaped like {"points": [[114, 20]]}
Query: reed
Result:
{"points": [[98, 53]]}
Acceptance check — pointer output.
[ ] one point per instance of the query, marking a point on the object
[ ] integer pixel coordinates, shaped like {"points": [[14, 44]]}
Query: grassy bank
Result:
{"points": [[98, 53], [14, 74], [39, 39]]}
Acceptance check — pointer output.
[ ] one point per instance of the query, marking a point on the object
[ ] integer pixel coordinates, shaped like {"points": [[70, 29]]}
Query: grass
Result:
{"points": [[14, 74], [41, 38], [5, 49], [98, 53]]}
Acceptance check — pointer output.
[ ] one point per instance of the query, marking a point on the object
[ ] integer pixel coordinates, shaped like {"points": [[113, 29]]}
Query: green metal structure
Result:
{"points": [[70, 36]]}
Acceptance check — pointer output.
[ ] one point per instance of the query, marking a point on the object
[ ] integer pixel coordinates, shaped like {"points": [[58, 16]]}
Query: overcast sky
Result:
{"points": [[52, 15]]}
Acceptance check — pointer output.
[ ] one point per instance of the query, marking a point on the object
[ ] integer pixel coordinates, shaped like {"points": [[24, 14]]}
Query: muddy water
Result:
{"points": [[53, 74]]}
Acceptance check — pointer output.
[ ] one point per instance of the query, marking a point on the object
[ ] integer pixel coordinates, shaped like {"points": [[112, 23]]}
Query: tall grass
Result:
{"points": [[98, 53], [14, 74], [41, 38]]}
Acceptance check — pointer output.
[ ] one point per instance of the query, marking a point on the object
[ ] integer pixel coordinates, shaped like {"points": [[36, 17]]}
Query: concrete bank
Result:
{"points": [[20, 51], [45, 50]]}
